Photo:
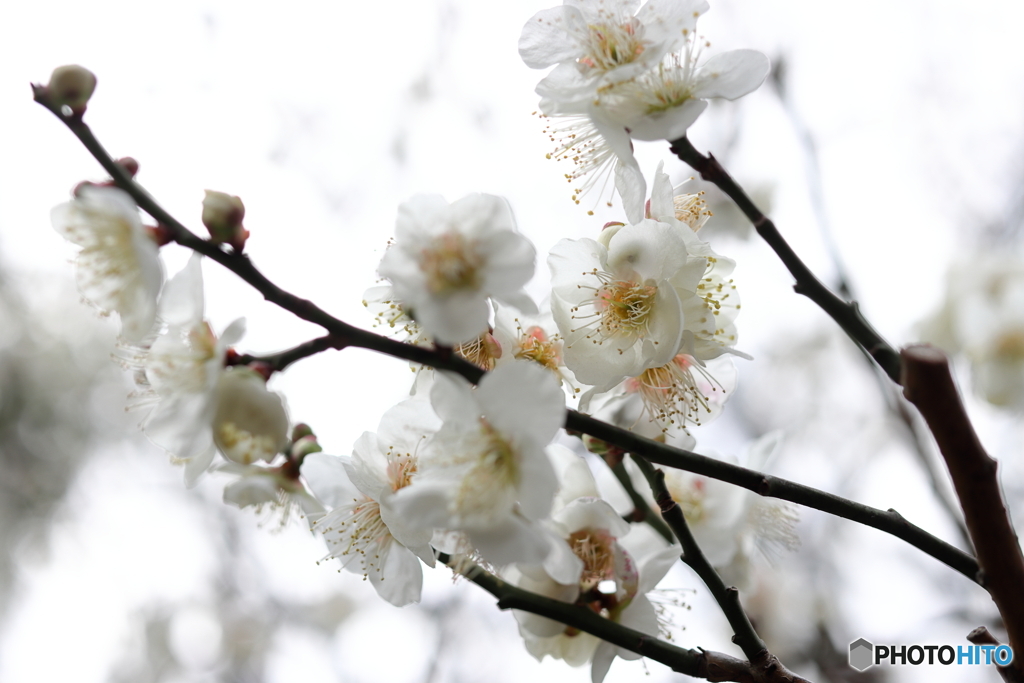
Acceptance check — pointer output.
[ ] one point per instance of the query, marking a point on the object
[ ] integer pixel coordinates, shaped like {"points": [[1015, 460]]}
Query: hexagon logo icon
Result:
{"points": [[861, 654]]}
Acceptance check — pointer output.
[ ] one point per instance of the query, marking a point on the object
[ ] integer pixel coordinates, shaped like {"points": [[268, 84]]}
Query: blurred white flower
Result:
{"points": [[485, 472], [449, 258], [983, 318], [363, 530], [275, 488], [178, 373], [118, 268], [732, 524], [249, 422]]}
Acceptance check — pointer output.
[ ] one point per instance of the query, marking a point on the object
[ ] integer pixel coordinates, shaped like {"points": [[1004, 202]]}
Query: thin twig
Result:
{"points": [[728, 598], [845, 313], [642, 512], [281, 360], [769, 486], [928, 384]]}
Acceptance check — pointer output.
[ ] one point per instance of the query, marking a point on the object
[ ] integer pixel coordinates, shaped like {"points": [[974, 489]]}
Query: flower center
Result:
{"points": [[611, 45], [671, 84], [619, 308], [400, 470], [671, 394], [451, 263], [489, 487], [535, 345], [243, 446], [484, 351], [609, 579], [691, 209], [595, 548]]}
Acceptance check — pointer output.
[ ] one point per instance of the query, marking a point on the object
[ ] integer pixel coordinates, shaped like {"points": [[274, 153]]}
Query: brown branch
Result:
{"points": [[981, 636], [845, 313], [712, 666], [281, 360], [928, 384], [728, 598]]}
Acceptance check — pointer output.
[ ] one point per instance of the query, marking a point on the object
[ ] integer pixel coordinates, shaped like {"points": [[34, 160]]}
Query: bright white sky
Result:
{"points": [[324, 116]]}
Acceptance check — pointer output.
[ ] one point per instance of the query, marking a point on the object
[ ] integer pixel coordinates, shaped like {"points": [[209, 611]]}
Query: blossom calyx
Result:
{"points": [[222, 216], [71, 86]]}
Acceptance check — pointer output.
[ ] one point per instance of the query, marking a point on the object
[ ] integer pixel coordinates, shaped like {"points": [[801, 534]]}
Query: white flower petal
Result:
{"points": [[326, 477], [400, 578], [522, 400], [731, 75], [546, 37], [181, 304]]}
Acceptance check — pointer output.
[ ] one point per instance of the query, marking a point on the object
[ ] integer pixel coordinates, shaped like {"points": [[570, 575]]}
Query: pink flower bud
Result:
{"points": [[130, 165]]}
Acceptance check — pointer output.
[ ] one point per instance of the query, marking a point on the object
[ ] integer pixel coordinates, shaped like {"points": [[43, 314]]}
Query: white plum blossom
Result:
{"points": [[363, 530], [731, 524], [118, 269], [982, 317], [485, 472], [596, 43], [619, 305], [250, 422], [520, 336], [661, 104], [621, 564], [693, 385], [180, 371], [449, 258], [634, 89], [671, 397]]}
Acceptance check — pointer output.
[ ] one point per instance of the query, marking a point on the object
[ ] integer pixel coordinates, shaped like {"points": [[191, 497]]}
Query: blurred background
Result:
{"points": [[886, 145]]}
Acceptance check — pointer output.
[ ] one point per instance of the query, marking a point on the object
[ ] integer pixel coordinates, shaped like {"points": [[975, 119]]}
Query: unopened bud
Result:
{"points": [[71, 86], [304, 446], [222, 216], [611, 454], [130, 165], [300, 430]]}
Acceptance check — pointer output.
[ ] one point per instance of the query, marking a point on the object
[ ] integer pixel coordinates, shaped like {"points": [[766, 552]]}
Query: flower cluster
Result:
{"points": [[639, 326], [622, 73]]}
